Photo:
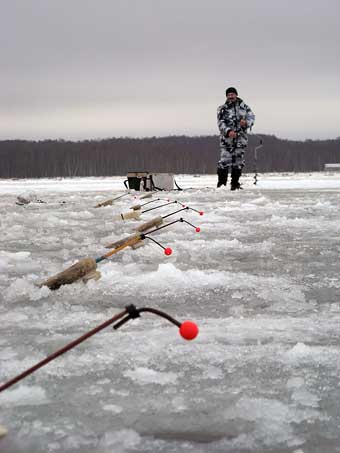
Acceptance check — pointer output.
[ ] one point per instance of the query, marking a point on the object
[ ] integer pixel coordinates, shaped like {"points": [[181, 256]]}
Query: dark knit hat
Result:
{"points": [[231, 90]]}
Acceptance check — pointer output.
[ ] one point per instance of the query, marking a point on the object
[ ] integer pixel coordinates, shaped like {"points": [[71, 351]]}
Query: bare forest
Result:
{"points": [[175, 154]]}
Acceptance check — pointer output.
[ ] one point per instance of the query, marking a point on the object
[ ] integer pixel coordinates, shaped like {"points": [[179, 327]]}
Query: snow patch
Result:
{"points": [[22, 288], [113, 408], [120, 440], [143, 375], [24, 395]]}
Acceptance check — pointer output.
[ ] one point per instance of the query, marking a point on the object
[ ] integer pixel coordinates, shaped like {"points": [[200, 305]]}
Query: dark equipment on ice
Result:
{"points": [[145, 181], [188, 330], [148, 182]]}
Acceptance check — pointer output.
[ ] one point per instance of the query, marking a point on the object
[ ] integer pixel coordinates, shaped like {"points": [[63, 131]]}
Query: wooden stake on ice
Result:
{"points": [[154, 223], [72, 274], [86, 268], [111, 200], [128, 215], [105, 203]]}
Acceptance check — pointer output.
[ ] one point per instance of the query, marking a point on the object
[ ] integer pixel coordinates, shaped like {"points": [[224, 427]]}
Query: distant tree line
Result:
{"points": [[173, 154]]}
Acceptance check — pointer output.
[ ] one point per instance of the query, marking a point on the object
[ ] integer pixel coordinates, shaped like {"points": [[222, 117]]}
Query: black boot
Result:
{"points": [[235, 176], [222, 174]]}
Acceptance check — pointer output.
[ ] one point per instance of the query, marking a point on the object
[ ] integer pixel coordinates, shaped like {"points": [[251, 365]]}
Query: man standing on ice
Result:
{"points": [[234, 118]]}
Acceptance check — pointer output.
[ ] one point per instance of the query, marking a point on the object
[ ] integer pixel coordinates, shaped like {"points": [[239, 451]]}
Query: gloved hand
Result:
{"points": [[232, 134], [243, 123]]}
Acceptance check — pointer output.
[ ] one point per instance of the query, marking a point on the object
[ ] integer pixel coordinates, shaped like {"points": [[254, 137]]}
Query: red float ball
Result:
{"points": [[188, 330]]}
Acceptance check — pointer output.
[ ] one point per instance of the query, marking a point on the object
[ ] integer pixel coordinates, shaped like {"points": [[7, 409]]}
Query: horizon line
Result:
{"points": [[127, 137]]}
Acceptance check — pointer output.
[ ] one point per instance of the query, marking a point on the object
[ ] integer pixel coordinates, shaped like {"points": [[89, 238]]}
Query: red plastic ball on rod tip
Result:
{"points": [[168, 251], [188, 330], [198, 229], [201, 212]]}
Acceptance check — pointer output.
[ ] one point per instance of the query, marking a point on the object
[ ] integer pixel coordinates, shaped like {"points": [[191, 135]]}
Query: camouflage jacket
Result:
{"points": [[228, 118]]}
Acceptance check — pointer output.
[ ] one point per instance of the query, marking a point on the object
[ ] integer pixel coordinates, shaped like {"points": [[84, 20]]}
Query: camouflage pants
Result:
{"points": [[231, 158]]}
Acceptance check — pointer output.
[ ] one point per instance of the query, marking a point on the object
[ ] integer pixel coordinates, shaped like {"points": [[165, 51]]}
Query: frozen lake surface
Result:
{"points": [[261, 279]]}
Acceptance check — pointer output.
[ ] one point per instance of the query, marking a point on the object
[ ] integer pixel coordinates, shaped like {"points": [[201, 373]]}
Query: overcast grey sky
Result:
{"points": [[89, 69]]}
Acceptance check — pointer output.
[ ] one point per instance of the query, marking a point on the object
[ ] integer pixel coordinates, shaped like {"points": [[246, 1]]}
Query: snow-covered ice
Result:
{"points": [[261, 279]]}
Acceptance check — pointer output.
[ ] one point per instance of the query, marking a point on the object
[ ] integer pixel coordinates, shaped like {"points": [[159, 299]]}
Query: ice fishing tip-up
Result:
{"points": [[187, 329]]}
